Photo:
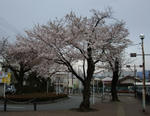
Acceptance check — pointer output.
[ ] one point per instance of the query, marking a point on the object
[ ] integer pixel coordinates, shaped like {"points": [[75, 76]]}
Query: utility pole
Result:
{"points": [[143, 65], [135, 80], [144, 87], [149, 75], [93, 92]]}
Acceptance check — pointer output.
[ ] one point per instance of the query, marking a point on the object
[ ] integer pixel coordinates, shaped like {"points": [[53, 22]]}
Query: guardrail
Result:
{"points": [[6, 100]]}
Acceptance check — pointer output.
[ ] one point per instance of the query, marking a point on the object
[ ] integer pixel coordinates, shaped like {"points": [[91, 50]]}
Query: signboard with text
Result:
{"points": [[5, 77]]}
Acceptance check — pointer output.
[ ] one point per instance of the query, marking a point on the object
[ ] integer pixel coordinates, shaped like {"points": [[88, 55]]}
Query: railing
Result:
{"points": [[6, 100]]}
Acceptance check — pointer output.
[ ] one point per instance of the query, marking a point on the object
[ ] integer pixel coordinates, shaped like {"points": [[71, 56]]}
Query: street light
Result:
{"points": [[143, 65], [143, 58]]}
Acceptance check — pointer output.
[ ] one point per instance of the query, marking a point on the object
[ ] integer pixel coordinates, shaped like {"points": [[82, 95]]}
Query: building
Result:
{"points": [[66, 82], [129, 80]]}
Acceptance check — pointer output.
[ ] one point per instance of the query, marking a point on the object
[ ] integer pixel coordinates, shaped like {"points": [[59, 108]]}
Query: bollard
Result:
{"points": [[5, 104], [34, 104]]}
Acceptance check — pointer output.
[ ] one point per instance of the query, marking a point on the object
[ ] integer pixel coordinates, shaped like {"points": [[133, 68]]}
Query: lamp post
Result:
{"points": [[143, 62], [143, 65]]}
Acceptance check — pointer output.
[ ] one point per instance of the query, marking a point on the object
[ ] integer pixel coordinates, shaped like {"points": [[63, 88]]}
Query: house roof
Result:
{"points": [[129, 77], [97, 79], [107, 79]]}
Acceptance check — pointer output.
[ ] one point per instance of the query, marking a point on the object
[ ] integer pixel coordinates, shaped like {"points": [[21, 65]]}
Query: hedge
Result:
{"points": [[35, 97]]}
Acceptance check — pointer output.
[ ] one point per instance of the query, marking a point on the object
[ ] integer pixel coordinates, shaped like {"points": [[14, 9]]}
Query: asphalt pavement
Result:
{"points": [[128, 106], [63, 104]]}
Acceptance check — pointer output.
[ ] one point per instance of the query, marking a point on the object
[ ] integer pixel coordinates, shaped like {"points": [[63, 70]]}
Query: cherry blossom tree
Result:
{"points": [[42, 63], [19, 60], [72, 39], [22, 60], [114, 53], [3, 45]]}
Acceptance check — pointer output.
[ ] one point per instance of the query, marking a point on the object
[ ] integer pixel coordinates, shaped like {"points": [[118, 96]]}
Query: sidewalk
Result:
{"points": [[128, 106]]}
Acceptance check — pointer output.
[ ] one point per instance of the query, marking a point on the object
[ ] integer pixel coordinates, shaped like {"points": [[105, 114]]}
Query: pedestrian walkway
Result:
{"points": [[128, 106]]}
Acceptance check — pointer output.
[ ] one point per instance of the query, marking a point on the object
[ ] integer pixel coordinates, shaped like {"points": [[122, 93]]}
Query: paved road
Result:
{"points": [[128, 106], [65, 104]]}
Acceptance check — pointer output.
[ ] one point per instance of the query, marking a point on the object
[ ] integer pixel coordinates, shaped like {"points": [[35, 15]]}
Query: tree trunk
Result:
{"points": [[114, 87], [85, 104], [19, 85], [115, 81]]}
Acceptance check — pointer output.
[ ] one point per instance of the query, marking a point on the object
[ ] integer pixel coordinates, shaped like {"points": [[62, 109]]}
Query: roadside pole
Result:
{"points": [[93, 93]]}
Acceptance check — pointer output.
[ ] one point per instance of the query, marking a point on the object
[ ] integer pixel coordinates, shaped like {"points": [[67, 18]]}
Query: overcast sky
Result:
{"points": [[18, 15]]}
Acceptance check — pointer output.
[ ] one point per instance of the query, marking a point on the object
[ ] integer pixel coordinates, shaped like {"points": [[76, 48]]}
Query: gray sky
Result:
{"points": [[18, 15]]}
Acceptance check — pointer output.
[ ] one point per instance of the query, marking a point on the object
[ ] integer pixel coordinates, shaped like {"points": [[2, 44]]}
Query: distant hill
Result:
{"points": [[123, 74], [147, 73]]}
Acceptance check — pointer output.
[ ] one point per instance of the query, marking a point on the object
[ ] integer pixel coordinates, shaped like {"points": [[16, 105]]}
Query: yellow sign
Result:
{"points": [[6, 79], [9, 75]]}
